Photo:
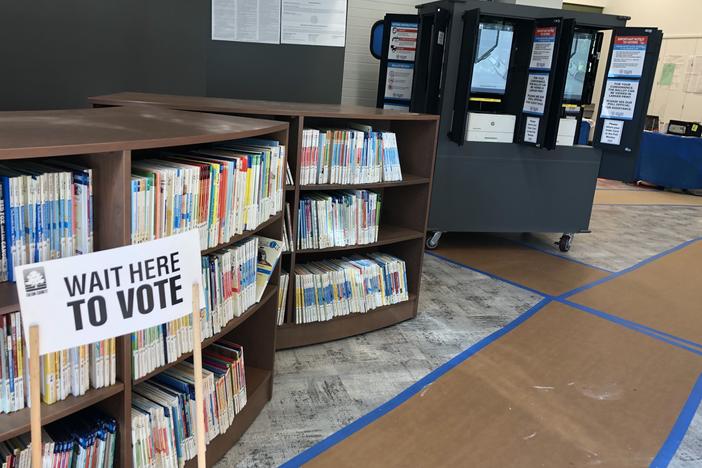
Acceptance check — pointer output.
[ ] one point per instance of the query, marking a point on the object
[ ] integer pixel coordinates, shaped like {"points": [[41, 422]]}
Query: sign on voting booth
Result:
{"points": [[87, 298]]}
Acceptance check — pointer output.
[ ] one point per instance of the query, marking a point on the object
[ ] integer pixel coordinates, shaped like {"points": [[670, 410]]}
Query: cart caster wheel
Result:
{"points": [[433, 240], [565, 242]]}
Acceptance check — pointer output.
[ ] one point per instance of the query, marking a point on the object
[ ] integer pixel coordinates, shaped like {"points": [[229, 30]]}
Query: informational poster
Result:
{"points": [[313, 22], [87, 298], [403, 41], [398, 81], [619, 99], [246, 21], [693, 80], [628, 55], [535, 98], [531, 129], [612, 132], [542, 51]]}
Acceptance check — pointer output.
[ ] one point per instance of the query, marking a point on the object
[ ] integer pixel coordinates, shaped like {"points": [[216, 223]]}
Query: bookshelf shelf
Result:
{"points": [[17, 423], [239, 237], [407, 179], [106, 140], [387, 234], [405, 204], [294, 335], [269, 293]]}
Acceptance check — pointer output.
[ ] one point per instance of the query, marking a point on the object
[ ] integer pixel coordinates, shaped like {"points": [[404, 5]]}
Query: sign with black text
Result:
{"points": [[87, 298]]}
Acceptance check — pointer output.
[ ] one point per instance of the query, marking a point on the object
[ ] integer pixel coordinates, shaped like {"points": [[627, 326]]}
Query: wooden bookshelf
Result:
{"points": [[106, 140], [405, 206]]}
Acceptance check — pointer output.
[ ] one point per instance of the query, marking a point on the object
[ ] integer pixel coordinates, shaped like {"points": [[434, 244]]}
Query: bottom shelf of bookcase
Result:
{"points": [[258, 393], [17, 423], [292, 335]]}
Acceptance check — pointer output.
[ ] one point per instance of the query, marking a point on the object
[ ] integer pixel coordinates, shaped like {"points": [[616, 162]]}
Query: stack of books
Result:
{"points": [[282, 296], [338, 219], [46, 212], [163, 408], [334, 288], [69, 372], [233, 280], [220, 191], [348, 156], [86, 439]]}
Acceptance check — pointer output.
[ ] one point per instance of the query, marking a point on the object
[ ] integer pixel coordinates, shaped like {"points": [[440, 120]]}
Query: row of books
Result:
{"points": [[348, 156], [83, 440], [221, 190], [163, 408], [68, 372], [46, 212], [334, 288], [338, 219], [282, 296], [233, 279]]}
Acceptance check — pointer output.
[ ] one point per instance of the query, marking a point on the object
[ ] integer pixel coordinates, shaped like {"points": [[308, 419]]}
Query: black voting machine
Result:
{"points": [[510, 83]]}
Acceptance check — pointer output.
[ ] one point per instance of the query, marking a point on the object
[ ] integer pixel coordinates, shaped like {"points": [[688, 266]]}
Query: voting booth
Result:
{"points": [[510, 83]]}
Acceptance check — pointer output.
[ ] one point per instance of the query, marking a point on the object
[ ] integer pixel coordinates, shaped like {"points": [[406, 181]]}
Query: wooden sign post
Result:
{"points": [[197, 367], [35, 395]]}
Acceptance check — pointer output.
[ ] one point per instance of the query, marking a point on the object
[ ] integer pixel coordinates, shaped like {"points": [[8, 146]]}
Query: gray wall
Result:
{"points": [[54, 54]]}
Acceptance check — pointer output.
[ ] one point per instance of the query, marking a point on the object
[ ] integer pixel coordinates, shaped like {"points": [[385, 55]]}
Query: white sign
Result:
{"points": [[398, 81], [535, 98], [619, 99], [403, 41], [314, 22], [542, 50], [531, 130], [628, 55], [87, 298], [394, 106], [612, 132], [246, 21]]}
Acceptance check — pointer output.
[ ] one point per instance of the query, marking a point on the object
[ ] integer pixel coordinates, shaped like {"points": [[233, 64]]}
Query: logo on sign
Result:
{"points": [[35, 281]]}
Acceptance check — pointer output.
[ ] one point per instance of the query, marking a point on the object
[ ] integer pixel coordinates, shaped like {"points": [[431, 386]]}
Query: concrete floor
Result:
{"points": [[320, 389]]}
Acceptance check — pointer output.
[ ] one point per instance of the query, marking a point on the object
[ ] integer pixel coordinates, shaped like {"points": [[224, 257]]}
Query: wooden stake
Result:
{"points": [[197, 365], [35, 395]]}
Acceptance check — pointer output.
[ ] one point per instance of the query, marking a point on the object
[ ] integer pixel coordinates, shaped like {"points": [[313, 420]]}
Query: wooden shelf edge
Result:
{"points": [[9, 290], [238, 237], [270, 292], [292, 335], [258, 384], [387, 235], [407, 180], [17, 423]]}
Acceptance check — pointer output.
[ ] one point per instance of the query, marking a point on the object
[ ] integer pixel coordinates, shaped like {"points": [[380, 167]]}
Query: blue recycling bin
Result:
{"points": [[670, 161]]}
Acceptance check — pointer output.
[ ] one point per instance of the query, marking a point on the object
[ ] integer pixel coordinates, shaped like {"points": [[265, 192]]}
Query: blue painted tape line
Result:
{"points": [[672, 339], [636, 324], [631, 268], [410, 391], [554, 254], [677, 433], [630, 325], [490, 275]]}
